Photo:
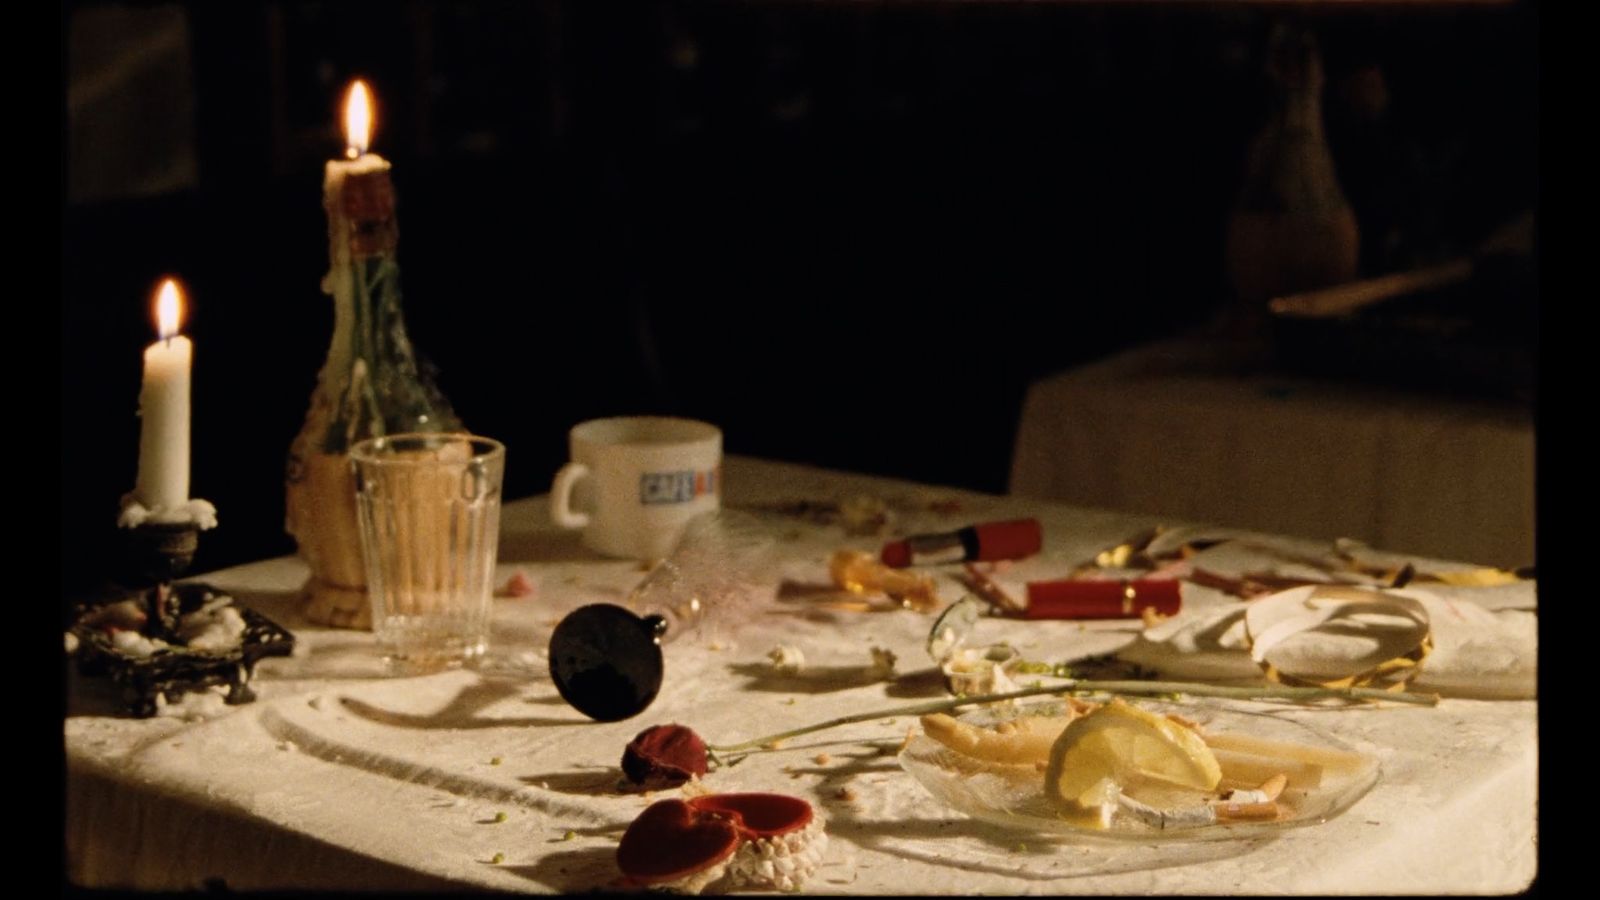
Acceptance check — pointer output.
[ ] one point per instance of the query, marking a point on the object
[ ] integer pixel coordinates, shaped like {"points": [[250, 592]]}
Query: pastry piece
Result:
{"points": [[675, 847], [751, 841], [784, 839], [1251, 760], [1022, 741]]}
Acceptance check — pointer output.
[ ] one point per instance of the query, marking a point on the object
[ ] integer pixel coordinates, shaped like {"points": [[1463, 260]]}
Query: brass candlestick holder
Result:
{"points": [[165, 639]]}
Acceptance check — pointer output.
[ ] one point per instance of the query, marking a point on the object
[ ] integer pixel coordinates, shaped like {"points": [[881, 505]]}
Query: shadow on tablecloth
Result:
{"points": [[571, 871], [544, 546]]}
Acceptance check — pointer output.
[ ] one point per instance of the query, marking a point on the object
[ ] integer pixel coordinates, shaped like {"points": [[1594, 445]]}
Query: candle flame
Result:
{"points": [[169, 307], [357, 119]]}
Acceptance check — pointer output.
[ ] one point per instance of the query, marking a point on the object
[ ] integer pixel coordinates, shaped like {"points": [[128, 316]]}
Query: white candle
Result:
{"points": [[358, 116], [164, 411]]}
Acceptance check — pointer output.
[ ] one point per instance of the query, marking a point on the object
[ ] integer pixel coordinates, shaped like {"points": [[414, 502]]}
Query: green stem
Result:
{"points": [[1269, 692]]}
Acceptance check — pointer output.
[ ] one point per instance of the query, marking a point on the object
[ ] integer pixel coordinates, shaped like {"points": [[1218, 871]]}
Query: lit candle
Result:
{"points": [[163, 483], [356, 191]]}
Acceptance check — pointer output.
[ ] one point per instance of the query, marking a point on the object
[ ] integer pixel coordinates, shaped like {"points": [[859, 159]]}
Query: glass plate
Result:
{"points": [[1013, 796]]}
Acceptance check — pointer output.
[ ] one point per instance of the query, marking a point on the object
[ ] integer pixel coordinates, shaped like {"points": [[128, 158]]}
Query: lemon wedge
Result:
{"points": [[1120, 744]]}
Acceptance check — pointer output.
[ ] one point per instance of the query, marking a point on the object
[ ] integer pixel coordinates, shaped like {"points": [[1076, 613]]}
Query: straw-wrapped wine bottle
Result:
{"points": [[370, 385]]}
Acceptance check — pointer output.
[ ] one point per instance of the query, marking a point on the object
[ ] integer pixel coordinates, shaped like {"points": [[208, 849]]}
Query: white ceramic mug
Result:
{"points": [[634, 482]]}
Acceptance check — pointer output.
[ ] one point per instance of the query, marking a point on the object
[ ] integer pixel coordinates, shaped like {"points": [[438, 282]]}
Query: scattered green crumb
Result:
{"points": [[498, 859], [1062, 670], [500, 816], [570, 836], [1172, 696], [788, 701], [1022, 848], [495, 761]]}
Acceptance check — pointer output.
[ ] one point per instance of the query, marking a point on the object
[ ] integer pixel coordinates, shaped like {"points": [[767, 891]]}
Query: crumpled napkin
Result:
{"points": [[1485, 642]]}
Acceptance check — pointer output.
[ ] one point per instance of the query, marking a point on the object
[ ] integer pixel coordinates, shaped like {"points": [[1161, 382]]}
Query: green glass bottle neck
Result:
{"points": [[372, 373]]}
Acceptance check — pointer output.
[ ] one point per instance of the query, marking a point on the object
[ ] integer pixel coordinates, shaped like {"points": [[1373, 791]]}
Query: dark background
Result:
{"points": [[850, 233]]}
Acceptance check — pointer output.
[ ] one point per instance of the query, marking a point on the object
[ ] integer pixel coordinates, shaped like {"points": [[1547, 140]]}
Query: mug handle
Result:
{"points": [[561, 510]]}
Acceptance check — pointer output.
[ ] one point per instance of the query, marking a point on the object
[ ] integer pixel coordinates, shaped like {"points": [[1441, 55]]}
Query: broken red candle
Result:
{"points": [[1102, 599], [985, 542]]}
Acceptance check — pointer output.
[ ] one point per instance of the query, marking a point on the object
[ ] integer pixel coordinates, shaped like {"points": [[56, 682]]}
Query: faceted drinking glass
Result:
{"points": [[429, 510]]}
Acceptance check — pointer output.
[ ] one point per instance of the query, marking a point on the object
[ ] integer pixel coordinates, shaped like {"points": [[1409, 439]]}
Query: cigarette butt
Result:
{"points": [[1245, 811]]}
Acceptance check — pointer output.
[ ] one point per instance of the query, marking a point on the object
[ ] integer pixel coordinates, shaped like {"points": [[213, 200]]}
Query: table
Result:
{"points": [[1199, 429], [338, 778]]}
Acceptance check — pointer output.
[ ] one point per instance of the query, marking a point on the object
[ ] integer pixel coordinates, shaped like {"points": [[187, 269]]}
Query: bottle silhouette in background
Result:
{"points": [[1292, 229]]}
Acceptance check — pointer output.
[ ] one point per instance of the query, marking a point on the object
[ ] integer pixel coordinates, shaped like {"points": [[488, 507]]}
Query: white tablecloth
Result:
{"points": [[337, 778], [1187, 430]]}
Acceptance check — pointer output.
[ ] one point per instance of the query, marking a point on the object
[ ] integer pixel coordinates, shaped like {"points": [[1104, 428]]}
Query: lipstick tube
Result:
{"points": [[1102, 599], [984, 542]]}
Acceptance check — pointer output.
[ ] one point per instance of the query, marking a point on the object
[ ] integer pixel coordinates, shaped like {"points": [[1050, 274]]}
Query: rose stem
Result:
{"points": [[1272, 692]]}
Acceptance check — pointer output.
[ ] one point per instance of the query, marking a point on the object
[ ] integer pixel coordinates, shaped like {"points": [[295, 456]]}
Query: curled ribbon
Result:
{"points": [[1395, 629]]}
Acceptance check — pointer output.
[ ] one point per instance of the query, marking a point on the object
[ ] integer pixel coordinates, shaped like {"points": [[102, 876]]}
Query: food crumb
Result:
{"points": [[822, 759], [787, 660], [883, 661], [494, 761], [500, 816], [518, 585], [846, 794], [498, 859], [570, 836]]}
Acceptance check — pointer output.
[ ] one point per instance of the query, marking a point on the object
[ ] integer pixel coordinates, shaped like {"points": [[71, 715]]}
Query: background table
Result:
{"points": [[337, 778], [1190, 429]]}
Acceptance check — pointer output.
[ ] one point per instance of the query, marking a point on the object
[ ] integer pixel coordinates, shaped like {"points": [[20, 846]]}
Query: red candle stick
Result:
{"points": [[984, 542]]}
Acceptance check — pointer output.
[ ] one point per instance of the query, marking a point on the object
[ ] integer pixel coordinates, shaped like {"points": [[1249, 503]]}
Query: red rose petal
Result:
{"points": [[670, 840], [664, 756]]}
